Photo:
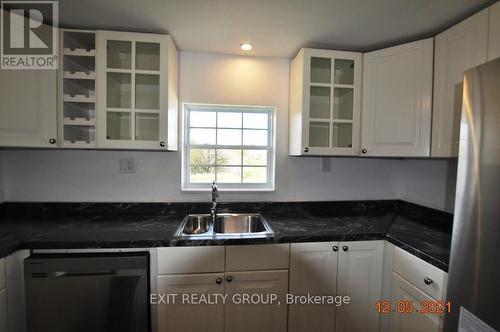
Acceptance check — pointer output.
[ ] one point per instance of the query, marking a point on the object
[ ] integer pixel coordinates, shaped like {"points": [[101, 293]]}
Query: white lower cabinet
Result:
{"points": [[413, 281], [351, 269], [4, 326], [256, 272], [181, 317], [313, 270], [402, 290], [360, 278], [258, 315]]}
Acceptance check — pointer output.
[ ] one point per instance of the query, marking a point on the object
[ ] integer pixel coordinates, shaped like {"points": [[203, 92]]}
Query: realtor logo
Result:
{"points": [[29, 35]]}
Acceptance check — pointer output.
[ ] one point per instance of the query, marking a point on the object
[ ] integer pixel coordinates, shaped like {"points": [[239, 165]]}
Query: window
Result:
{"points": [[231, 145]]}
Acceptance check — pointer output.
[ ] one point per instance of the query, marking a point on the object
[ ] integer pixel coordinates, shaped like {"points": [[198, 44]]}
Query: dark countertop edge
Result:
{"points": [[422, 255], [184, 242]]}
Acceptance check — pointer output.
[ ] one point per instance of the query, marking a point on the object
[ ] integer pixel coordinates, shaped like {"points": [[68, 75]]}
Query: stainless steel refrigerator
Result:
{"points": [[474, 272]]}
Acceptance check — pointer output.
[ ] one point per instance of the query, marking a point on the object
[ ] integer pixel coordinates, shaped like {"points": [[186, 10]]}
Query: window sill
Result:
{"points": [[222, 189]]}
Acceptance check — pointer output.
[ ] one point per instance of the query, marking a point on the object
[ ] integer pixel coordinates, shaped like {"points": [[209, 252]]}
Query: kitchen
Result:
{"points": [[268, 161]]}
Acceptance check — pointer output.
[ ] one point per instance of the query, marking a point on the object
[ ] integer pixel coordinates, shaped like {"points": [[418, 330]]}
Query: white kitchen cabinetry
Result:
{"points": [[397, 100], [4, 324], [411, 322], [28, 108], [259, 316], [221, 270], [313, 270], [12, 297], [181, 317], [325, 101], [351, 269], [137, 79], [257, 257], [77, 89], [360, 278], [415, 280], [457, 49], [494, 32], [191, 259]]}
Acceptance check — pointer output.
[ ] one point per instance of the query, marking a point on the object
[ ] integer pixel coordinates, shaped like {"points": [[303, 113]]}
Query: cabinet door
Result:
{"points": [[397, 94], [313, 270], [4, 327], [332, 101], [28, 108], [256, 317], [132, 77], [494, 32], [360, 278], [457, 49], [181, 317], [402, 290]]}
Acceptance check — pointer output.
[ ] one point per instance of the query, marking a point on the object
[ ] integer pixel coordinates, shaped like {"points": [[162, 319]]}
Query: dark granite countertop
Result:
{"points": [[424, 232]]}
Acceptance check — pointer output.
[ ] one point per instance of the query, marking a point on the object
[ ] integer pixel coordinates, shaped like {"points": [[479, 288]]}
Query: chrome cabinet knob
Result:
{"points": [[52, 141], [162, 144], [218, 281], [364, 150], [428, 281], [229, 278], [335, 248], [306, 149], [345, 248]]}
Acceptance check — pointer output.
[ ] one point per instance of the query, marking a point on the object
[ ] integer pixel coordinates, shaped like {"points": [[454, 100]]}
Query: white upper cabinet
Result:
{"points": [[137, 78], [77, 95], [457, 49], [494, 32], [325, 98], [397, 100], [28, 108]]}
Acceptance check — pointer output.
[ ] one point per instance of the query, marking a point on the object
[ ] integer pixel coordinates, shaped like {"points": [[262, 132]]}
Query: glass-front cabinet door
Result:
{"points": [[133, 78], [328, 110]]}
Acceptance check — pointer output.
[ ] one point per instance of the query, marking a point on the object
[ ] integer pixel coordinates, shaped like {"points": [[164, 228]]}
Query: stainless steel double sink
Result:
{"points": [[226, 226]]}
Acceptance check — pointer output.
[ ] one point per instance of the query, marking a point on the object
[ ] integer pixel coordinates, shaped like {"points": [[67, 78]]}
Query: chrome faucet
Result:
{"points": [[215, 195]]}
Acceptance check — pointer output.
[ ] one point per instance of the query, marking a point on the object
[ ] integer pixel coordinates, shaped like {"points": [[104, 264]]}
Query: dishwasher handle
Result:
{"points": [[104, 273]]}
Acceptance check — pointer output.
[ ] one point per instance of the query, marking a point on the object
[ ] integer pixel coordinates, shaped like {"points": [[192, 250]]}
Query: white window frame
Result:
{"points": [[186, 185]]}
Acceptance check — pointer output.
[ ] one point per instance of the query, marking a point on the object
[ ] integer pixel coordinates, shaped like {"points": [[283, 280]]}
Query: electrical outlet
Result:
{"points": [[127, 165], [325, 165]]}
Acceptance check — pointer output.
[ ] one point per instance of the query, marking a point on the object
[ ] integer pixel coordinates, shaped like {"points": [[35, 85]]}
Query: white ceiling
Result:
{"points": [[276, 28]]}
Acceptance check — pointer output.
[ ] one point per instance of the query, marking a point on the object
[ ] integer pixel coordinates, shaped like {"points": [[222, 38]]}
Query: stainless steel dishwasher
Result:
{"points": [[87, 292]]}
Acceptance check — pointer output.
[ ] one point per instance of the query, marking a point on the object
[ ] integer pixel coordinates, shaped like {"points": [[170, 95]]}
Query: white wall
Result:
{"points": [[31, 175], [204, 78], [427, 182]]}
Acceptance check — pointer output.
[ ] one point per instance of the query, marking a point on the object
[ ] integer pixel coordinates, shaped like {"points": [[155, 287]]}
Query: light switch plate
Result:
{"points": [[128, 165]]}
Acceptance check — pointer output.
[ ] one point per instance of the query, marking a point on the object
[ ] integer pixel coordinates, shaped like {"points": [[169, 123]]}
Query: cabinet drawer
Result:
{"points": [[415, 270], [201, 259], [2, 273], [258, 257], [402, 290]]}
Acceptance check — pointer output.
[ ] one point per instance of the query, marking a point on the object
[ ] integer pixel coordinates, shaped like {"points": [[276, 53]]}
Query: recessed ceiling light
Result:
{"points": [[246, 46]]}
